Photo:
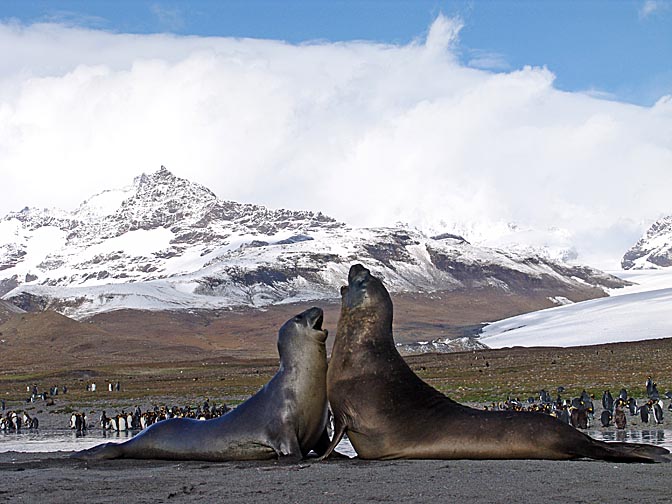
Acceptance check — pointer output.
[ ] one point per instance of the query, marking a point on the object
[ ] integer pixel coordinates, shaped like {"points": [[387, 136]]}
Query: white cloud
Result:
{"points": [[368, 133], [487, 60], [650, 7]]}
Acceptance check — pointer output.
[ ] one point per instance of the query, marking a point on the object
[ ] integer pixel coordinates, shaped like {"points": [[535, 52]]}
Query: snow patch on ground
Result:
{"points": [[635, 313]]}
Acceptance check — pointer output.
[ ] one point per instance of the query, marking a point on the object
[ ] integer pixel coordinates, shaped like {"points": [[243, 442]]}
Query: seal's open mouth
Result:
{"points": [[314, 318], [317, 323]]}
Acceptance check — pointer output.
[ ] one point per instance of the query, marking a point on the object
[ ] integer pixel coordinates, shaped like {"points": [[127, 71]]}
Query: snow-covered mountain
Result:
{"points": [[653, 250], [167, 243]]}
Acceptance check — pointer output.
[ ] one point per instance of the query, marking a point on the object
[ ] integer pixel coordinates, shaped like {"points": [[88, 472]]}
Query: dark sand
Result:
{"points": [[54, 477]]}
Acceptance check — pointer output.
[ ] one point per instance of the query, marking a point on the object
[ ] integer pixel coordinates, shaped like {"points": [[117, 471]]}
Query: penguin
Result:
{"points": [[608, 401], [619, 415], [579, 418], [644, 413], [605, 418], [563, 416], [654, 392], [623, 394], [632, 406], [590, 412], [657, 412], [649, 386], [15, 422], [104, 421], [121, 422]]}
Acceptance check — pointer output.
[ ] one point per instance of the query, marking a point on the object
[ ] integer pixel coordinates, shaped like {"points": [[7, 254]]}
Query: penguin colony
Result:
{"points": [[137, 419], [580, 411], [14, 421]]}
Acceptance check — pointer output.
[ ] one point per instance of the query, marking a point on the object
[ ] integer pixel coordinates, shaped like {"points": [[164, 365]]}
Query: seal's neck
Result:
{"points": [[305, 358], [366, 326]]}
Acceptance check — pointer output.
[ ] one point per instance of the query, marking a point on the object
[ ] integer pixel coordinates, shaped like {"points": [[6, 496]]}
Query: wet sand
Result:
{"points": [[54, 477]]}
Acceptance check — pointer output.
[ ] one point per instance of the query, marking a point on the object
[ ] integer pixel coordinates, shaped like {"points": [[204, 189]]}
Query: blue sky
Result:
{"points": [[621, 50], [542, 123]]}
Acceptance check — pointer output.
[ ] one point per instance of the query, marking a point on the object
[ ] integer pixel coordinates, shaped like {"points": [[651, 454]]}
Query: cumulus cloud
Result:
{"points": [[371, 134]]}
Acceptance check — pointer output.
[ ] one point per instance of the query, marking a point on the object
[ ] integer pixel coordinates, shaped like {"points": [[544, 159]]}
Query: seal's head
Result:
{"points": [[364, 291], [365, 298], [302, 328]]}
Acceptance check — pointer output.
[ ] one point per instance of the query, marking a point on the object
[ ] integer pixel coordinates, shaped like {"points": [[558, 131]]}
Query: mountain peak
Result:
{"points": [[130, 234], [654, 249], [162, 174]]}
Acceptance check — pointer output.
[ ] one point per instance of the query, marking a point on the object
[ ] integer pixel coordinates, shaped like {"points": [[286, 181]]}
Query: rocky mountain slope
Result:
{"points": [[653, 250], [165, 243]]}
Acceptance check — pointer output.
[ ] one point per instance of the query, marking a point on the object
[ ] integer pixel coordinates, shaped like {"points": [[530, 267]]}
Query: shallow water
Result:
{"points": [[659, 437], [52, 440]]}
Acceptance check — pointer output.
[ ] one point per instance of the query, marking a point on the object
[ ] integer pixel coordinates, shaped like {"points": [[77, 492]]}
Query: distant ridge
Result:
{"points": [[165, 243]]}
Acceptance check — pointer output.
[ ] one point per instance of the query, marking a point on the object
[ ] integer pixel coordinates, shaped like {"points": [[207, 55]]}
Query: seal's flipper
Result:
{"points": [[290, 459], [339, 431], [631, 452], [322, 444], [289, 451], [100, 452]]}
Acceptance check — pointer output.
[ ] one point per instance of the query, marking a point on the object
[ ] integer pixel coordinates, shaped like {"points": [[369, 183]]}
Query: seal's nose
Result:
{"points": [[355, 270]]}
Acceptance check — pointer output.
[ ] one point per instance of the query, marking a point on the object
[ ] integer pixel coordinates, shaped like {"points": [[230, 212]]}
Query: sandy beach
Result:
{"points": [[54, 477]]}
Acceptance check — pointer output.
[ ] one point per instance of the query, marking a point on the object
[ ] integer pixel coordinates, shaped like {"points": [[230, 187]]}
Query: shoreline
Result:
{"points": [[54, 477]]}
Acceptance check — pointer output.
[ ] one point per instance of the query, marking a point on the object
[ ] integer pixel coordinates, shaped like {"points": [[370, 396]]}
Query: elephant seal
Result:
{"points": [[388, 412], [286, 419]]}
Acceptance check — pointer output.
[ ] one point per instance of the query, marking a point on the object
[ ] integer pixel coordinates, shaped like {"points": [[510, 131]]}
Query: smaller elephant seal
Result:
{"points": [[388, 412], [286, 419]]}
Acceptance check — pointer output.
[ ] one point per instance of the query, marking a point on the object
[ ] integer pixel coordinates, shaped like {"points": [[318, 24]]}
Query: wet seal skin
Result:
{"points": [[388, 412], [286, 419]]}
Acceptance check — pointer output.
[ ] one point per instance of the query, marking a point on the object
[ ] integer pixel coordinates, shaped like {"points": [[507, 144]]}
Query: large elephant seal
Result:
{"points": [[286, 419], [388, 412]]}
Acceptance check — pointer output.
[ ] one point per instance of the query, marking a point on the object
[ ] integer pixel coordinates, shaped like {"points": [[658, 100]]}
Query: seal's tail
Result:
{"points": [[100, 452], [630, 452]]}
